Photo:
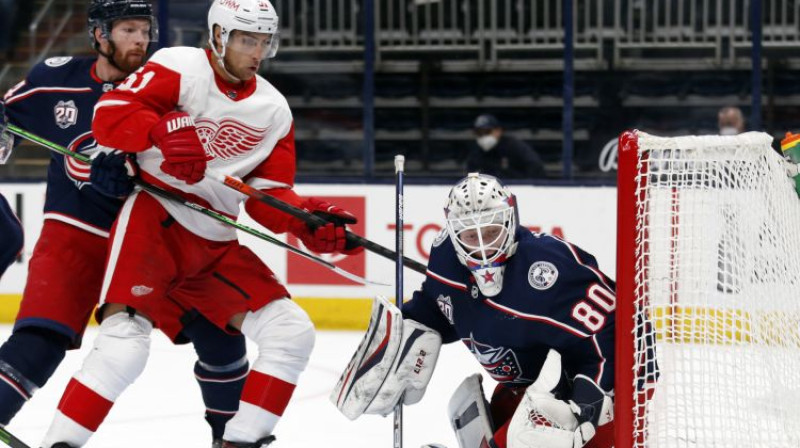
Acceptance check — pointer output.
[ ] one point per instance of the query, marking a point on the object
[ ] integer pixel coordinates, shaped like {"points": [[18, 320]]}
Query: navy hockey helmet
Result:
{"points": [[103, 13]]}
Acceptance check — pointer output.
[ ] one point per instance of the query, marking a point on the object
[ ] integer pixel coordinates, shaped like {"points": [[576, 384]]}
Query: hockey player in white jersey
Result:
{"points": [[187, 110]]}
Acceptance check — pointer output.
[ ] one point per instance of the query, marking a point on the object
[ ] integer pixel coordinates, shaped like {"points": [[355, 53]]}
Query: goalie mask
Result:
{"points": [[255, 16], [481, 219]]}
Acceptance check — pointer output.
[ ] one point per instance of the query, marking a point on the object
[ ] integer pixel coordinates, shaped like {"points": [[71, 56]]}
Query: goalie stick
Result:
{"points": [[199, 208], [399, 168], [310, 218], [9, 439]]}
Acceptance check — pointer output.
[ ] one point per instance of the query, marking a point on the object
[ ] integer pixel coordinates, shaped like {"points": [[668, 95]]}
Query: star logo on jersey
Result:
{"points": [[76, 170], [446, 307], [229, 139], [500, 362], [66, 113]]}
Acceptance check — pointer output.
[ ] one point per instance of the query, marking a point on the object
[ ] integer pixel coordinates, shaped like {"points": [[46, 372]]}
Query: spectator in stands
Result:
{"points": [[730, 120], [501, 155]]}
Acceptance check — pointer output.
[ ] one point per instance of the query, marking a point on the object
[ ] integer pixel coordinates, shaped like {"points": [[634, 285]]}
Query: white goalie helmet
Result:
{"points": [[256, 16], [481, 217]]}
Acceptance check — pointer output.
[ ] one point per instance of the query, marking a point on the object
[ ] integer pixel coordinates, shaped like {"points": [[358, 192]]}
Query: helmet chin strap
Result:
{"points": [[221, 58]]}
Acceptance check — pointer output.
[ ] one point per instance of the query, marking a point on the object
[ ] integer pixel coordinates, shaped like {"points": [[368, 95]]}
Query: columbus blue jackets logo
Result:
{"points": [[66, 114], [542, 275], [446, 307], [76, 170], [500, 362]]}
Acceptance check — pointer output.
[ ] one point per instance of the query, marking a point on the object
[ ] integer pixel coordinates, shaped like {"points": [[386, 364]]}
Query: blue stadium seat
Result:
{"points": [[396, 86], [452, 86], [717, 84], [397, 119], [509, 86], [452, 119], [336, 86], [654, 85]]}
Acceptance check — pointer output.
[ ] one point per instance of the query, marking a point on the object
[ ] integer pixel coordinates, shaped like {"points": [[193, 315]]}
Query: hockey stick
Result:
{"points": [[309, 218], [197, 207], [9, 439], [399, 162]]}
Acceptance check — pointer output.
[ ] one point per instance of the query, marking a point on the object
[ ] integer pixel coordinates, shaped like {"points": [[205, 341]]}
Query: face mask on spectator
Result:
{"points": [[728, 130], [487, 142]]}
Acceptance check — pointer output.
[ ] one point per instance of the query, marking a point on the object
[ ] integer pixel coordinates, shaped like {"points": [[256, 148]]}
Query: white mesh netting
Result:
{"points": [[716, 295]]}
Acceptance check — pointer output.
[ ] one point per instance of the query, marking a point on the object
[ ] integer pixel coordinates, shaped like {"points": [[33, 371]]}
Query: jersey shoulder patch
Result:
{"points": [[61, 71], [542, 275], [57, 61], [440, 238]]}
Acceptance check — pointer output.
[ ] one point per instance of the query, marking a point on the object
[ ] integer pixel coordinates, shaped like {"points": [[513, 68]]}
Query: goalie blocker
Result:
{"points": [[394, 361]]}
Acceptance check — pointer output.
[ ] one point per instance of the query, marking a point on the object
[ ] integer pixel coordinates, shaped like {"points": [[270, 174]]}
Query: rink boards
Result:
{"points": [[584, 215]]}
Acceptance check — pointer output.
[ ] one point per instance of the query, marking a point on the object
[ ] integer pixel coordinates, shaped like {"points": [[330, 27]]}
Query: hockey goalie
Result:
{"points": [[536, 312]]}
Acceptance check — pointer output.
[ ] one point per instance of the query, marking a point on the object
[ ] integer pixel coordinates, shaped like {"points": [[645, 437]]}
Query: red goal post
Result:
{"points": [[708, 290]]}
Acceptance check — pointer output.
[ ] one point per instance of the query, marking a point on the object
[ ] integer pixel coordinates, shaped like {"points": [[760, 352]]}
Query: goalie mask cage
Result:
{"points": [[708, 285]]}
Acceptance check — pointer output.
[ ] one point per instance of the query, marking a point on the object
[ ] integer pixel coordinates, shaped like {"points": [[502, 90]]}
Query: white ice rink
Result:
{"points": [[163, 408]]}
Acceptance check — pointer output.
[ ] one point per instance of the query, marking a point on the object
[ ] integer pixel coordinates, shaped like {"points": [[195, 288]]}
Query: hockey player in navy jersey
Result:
{"points": [[535, 311], [56, 102]]}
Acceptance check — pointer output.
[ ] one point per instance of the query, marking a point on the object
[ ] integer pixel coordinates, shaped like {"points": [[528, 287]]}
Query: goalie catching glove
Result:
{"points": [[395, 360], [543, 421]]}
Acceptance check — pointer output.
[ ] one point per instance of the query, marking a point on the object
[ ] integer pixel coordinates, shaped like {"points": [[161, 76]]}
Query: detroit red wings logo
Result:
{"points": [[228, 139]]}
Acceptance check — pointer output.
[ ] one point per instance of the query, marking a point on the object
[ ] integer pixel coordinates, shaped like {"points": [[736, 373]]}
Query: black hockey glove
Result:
{"points": [[591, 406], [112, 173]]}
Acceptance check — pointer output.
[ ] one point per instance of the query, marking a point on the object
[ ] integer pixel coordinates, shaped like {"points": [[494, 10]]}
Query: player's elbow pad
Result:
{"points": [[127, 130]]}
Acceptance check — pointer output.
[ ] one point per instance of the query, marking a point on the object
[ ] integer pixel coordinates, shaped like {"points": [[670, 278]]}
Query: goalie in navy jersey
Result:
{"points": [[535, 311], [56, 101]]}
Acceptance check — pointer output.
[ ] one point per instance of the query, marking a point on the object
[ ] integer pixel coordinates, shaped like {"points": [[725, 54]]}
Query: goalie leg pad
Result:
{"points": [[395, 359], [469, 415]]}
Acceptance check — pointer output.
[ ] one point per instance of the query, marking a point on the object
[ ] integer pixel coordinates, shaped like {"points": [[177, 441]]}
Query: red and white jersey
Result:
{"points": [[247, 130]]}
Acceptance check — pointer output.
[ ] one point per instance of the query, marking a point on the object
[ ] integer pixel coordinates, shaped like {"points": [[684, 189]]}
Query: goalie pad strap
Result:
{"points": [[469, 415]]}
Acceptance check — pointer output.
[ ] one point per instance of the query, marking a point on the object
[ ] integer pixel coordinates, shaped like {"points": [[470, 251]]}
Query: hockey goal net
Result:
{"points": [[708, 284]]}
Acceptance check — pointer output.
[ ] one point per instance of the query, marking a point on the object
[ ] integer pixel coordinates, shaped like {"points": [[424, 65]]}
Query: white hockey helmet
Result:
{"points": [[481, 217], [257, 16]]}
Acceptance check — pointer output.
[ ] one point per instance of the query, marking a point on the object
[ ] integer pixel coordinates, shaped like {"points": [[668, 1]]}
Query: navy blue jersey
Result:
{"points": [[56, 101], [553, 296], [12, 238]]}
